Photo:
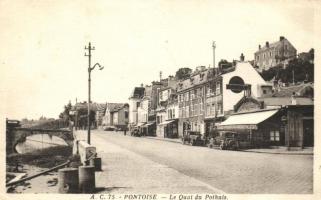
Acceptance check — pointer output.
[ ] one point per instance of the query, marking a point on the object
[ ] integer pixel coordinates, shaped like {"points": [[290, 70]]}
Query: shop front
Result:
{"points": [[263, 127], [169, 129]]}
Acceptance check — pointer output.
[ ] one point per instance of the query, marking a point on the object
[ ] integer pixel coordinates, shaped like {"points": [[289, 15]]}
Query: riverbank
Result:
{"points": [[34, 163]]}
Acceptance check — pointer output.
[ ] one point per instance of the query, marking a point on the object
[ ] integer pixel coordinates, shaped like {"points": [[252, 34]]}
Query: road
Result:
{"points": [[134, 164]]}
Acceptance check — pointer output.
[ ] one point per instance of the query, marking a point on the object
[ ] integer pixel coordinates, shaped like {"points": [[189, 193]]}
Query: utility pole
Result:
{"points": [[293, 76], [90, 48], [214, 46]]}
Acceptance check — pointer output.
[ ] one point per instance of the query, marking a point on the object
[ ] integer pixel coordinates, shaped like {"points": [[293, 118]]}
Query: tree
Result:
{"points": [[302, 70], [65, 114], [183, 73]]}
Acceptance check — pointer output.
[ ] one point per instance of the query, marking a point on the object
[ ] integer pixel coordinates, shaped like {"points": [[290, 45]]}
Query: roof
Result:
{"points": [[273, 45], [101, 106], [83, 105], [305, 89], [113, 107], [195, 79], [285, 101], [138, 92]]}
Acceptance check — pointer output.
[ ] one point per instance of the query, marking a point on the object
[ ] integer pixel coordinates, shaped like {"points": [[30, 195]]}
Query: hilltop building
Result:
{"points": [[273, 54]]}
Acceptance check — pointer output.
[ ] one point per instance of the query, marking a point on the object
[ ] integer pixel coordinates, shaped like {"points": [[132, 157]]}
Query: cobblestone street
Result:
{"points": [[132, 164]]}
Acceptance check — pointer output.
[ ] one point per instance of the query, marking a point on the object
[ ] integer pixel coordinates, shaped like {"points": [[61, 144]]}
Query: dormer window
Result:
{"points": [[202, 76]]}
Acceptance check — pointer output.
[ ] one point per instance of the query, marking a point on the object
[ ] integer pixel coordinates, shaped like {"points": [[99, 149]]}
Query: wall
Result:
{"points": [[249, 75], [133, 118]]}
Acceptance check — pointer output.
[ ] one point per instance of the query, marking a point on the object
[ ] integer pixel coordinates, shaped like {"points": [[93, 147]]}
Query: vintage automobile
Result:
{"points": [[230, 140], [192, 138], [109, 128], [135, 132]]}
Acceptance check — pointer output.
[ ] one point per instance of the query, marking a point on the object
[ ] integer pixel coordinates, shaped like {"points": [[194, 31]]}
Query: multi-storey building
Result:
{"points": [[101, 109], [134, 104], [207, 97], [166, 109], [191, 98], [273, 54]]}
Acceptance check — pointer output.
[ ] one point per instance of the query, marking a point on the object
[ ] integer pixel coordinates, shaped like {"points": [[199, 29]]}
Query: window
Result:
{"points": [[187, 111], [183, 112], [275, 135], [218, 88], [219, 108], [192, 94], [201, 108], [264, 91], [126, 115], [137, 104], [173, 113]]}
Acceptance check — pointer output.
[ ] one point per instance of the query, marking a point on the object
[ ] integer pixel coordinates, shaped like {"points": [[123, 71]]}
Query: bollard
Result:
{"points": [[96, 162], [87, 179], [68, 180]]}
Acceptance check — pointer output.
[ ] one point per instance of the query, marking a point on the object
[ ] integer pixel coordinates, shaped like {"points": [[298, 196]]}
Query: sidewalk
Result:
{"points": [[306, 151], [175, 140], [124, 171]]}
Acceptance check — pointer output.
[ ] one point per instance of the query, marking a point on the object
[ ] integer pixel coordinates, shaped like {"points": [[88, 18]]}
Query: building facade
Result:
{"points": [[208, 96], [111, 108], [134, 104], [273, 54], [191, 98], [120, 116], [167, 113]]}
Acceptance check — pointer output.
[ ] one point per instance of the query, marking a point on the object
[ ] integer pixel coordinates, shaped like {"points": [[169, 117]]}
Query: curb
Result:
{"points": [[154, 138], [284, 153]]}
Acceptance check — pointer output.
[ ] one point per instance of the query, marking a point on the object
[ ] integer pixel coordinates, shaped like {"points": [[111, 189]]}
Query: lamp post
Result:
{"points": [[90, 48]]}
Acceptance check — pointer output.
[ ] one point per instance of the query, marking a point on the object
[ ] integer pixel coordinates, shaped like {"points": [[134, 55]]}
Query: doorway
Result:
{"points": [[308, 132]]}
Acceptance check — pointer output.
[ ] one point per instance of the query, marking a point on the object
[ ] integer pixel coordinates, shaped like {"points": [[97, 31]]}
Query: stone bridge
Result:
{"points": [[18, 135]]}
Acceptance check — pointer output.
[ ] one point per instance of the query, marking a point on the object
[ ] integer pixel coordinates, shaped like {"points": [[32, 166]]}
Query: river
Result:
{"points": [[37, 142]]}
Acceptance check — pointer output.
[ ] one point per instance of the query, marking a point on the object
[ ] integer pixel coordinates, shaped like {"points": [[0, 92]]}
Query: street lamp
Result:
{"points": [[89, 48]]}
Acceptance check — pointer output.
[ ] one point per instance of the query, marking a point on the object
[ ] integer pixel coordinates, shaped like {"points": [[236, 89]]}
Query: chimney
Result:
{"points": [[293, 100], [267, 44], [142, 85], [282, 38], [242, 57], [259, 46]]}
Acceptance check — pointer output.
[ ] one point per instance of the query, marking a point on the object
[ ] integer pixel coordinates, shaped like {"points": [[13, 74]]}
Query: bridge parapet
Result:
{"points": [[17, 135]]}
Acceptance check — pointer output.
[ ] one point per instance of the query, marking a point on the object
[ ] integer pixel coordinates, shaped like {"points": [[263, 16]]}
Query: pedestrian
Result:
{"points": [[125, 132]]}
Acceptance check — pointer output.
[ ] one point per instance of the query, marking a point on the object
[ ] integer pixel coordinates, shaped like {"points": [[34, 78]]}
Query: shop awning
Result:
{"points": [[149, 124], [166, 122], [140, 123], [246, 120]]}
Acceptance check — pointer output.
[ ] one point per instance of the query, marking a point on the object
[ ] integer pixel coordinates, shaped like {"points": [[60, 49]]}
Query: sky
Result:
{"points": [[42, 60]]}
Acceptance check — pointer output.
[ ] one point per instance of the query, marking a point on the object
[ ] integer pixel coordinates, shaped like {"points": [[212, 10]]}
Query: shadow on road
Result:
{"points": [[108, 189]]}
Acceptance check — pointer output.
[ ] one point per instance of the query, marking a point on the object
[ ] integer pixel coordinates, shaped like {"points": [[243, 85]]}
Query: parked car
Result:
{"points": [[230, 140], [135, 132], [193, 138], [109, 128]]}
